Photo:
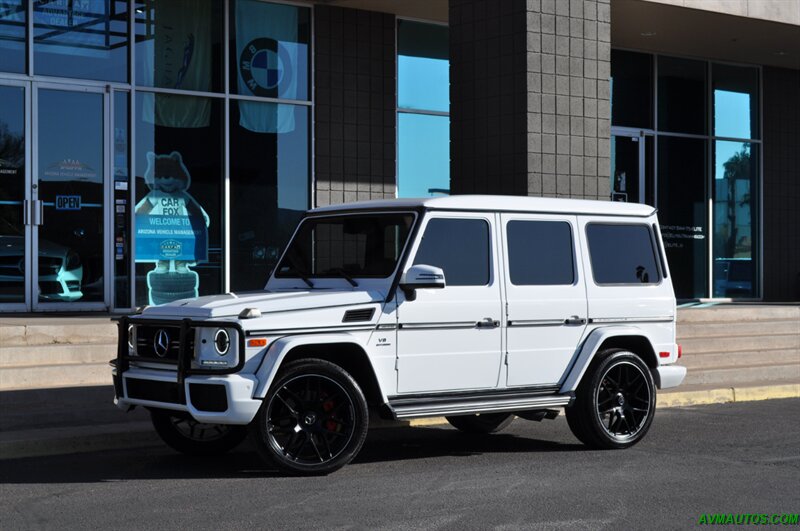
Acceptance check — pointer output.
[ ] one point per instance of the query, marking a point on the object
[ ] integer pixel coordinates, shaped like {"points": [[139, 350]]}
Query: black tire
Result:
{"points": [[615, 401], [186, 435], [481, 423], [313, 421]]}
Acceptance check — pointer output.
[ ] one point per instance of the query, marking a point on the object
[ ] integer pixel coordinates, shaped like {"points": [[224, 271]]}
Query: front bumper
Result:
{"points": [[669, 376], [160, 389]]}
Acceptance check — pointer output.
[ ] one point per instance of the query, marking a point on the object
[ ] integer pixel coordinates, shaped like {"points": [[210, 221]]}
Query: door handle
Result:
{"points": [[575, 320], [26, 212], [38, 212], [487, 322]]}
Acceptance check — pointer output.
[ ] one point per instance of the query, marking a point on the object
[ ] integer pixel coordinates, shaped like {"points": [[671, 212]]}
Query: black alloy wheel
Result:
{"points": [[615, 402], [313, 420], [186, 435]]}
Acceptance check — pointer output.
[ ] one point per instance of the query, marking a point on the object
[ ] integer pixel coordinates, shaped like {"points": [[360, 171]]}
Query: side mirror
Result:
{"points": [[421, 276]]}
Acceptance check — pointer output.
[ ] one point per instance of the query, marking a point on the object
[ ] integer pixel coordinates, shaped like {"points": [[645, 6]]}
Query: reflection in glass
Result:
{"points": [[178, 195], [70, 183], [81, 39], [13, 20], [178, 44], [682, 212], [735, 101], [12, 193], [269, 187], [122, 203], [423, 155], [682, 95], [269, 50], [631, 89], [423, 66], [735, 173]]}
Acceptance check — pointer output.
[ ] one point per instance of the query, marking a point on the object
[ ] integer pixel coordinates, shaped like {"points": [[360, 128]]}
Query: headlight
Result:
{"points": [[132, 338], [222, 341]]}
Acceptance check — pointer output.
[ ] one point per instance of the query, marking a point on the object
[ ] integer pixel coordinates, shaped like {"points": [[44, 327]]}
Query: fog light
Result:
{"points": [[222, 341]]}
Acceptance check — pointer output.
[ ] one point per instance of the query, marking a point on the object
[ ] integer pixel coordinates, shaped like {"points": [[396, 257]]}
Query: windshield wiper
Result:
{"points": [[300, 275], [344, 274]]}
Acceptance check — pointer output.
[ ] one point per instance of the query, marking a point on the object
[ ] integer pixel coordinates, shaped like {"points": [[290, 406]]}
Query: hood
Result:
{"points": [[231, 304]]}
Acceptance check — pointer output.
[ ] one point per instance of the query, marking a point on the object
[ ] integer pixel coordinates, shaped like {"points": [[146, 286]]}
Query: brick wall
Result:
{"points": [[781, 139], [529, 97], [354, 98]]}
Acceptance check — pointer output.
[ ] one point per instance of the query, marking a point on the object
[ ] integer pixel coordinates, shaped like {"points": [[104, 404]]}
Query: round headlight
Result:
{"points": [[222, 341], [132, 337]]}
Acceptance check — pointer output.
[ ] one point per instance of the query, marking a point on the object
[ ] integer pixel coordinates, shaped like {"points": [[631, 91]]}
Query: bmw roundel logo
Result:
{"points": [[161, 343], [263, 65]]}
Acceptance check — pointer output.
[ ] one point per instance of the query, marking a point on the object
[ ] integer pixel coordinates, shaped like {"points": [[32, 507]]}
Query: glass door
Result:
{"points": [[14, 232], [68, 194], [632, 167]]}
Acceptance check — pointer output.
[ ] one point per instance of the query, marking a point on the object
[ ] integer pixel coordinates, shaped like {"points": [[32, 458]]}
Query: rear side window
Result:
{"points": [[460, 247], [540, 253], [622, 254]]}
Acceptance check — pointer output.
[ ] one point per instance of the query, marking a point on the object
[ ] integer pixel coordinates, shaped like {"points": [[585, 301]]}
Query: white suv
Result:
{"points": [[476, 308]]}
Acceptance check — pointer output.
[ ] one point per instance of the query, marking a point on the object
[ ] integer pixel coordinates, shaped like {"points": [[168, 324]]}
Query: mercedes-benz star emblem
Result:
{"points": [[161, 343]]}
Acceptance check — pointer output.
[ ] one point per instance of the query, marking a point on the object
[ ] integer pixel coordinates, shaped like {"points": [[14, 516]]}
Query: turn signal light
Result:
{"points": [[257, 342]]}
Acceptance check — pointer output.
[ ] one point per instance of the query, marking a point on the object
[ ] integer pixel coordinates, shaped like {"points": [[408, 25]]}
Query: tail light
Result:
{"points": [[680, 351]]}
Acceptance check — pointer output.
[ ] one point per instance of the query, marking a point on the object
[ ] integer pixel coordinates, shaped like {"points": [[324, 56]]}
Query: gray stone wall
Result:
{"points": [[354, 98], [529, 97], [781, 141]]}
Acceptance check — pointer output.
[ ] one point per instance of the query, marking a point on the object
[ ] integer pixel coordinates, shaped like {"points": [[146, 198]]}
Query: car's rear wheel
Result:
{"points": [[615, 402], [313, 420], [186, 435], [481, 422]]}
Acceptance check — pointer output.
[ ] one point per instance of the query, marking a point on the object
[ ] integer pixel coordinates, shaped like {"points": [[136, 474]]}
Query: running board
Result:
{"points": [[406, 409]]}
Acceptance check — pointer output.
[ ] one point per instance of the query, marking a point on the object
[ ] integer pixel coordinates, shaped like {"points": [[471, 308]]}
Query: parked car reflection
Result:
{"points": [[60, 270]]}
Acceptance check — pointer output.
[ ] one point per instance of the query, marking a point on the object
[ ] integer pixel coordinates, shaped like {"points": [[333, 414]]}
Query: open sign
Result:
{"points": [[68, 202]]}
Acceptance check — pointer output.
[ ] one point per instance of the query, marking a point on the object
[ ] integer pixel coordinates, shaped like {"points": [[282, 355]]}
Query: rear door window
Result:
{"points": [[540, 253], [622, 254]]}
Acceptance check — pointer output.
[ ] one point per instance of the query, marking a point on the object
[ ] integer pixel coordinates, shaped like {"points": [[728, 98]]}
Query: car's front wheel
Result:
{"points": [[313, 420], [186, 435], [615, 402]]}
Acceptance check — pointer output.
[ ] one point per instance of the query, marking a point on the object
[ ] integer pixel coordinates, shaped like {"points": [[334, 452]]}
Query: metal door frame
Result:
{"points": [[32, 180], [639, 135]]}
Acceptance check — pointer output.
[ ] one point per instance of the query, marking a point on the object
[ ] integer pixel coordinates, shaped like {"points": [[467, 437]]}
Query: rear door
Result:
{"points": [[545, 296]]}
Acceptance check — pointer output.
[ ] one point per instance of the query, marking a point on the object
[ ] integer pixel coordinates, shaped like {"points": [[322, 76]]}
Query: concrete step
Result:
{"points": [[16, 332], [751, 328], [728, 376], [739, 314], [55, 354], [715, 360], [741, 344], [61, 375]]}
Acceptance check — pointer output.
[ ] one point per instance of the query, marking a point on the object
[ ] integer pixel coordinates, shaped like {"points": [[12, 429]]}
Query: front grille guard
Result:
{"points": [[184, 365]]}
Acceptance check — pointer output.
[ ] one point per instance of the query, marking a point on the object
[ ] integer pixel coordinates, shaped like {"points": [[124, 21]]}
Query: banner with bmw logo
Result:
{"points": [[267, 53]]}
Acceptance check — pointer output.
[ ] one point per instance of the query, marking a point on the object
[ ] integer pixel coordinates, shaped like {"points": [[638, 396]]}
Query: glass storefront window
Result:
{"points": [[423, 66], [122, 202], [81, 39], [13, 20], [682, 95], [682, 212], [736, 99], [423, 155], [631, 89], [12, 194], [270, 50], [178, 221], [735, 218], [269, 186], [179, 44]]}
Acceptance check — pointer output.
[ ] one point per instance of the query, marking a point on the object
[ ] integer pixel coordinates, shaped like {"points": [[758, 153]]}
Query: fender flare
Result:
{"points": [[278, 349], [590, 348]]}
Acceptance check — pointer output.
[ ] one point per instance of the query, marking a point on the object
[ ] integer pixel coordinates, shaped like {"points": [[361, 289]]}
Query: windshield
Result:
{"points": [[356, 245]]}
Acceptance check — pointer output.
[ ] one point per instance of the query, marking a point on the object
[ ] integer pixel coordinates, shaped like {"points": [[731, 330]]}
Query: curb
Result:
{"points": [[125, 435]]}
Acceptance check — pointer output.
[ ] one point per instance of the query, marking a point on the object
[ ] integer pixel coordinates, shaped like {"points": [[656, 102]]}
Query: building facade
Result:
{"points": [[152, 150]]}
